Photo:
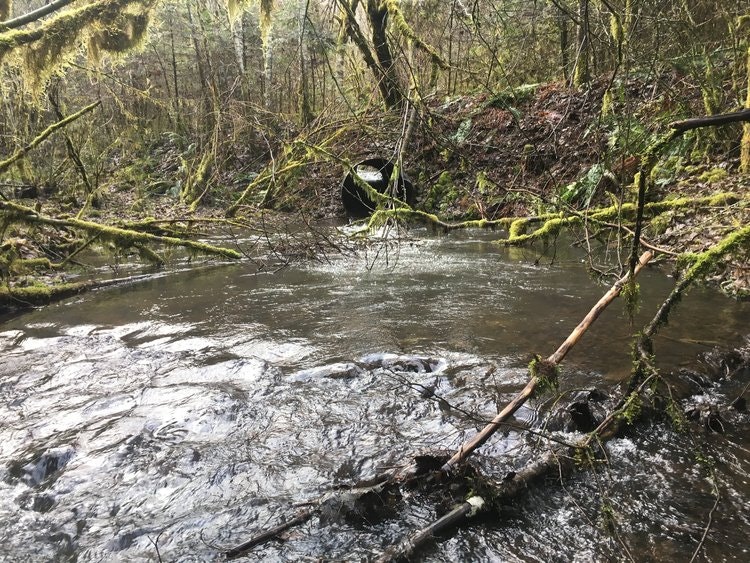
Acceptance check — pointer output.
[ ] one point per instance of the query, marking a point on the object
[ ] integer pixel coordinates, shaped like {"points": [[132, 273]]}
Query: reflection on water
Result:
{"points": [[198, 407]]}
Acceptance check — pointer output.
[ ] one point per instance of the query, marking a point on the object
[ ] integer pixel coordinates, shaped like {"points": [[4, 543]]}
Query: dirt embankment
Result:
{"points": [[548, 148]]}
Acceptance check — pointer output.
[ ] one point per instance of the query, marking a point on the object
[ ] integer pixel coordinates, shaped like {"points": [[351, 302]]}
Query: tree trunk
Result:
{"points": [[745, 150], [377, 15], [582, 73], [305, 110]]}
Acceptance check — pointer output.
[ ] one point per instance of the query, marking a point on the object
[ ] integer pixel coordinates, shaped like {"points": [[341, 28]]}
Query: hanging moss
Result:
{"points": [[235, 9], [631, 410], [48, 43], [127, 32], [266, 10], [631, 294], [394, 9]]}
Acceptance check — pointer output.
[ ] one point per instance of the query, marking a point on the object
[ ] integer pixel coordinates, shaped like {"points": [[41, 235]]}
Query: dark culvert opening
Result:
{"points": [[376, 172]]}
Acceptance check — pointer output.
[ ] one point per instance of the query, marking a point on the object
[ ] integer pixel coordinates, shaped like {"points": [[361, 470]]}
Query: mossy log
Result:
{"points": [[40, 294], [406, 213], [123, 238], [552, 223]]}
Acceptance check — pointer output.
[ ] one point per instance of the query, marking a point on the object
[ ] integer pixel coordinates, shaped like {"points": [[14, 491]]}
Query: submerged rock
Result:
{"points": [[404, 363], [341, 370], [42, 466]]}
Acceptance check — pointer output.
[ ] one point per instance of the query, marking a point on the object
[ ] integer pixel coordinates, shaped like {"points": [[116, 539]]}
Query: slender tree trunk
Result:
{"points": [[305, 110], [745, 145], [562, 20], [206, 96], [378, 18], [582, 73]]}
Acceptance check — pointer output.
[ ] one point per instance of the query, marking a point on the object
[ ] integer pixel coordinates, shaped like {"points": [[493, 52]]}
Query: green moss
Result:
{"points": [[512, 96], [631, 294], [632, 408], [442, 194], [29, 265], [676, 416], [546, 375], [47, 44], [401, 24], [713, 175], [698, 265], [122, 238], [659, 224], [38, 294], [607, 102], [549, 229]]}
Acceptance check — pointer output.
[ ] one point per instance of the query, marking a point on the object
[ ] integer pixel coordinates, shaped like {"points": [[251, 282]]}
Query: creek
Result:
{"points": [[196, 409]]}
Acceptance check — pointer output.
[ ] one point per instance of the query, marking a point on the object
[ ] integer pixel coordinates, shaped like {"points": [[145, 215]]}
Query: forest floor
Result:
{"points": [[537, 149]]}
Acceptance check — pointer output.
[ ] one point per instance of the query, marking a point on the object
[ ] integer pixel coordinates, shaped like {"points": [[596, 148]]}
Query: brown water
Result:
{"points": [[202, 406]]}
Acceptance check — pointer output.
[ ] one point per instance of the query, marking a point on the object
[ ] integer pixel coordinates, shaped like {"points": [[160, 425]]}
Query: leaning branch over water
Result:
{"points": [[543, 370]]}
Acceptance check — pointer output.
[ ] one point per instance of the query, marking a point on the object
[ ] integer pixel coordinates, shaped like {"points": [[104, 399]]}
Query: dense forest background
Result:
{"points": [[495, 108], [219, 81]]}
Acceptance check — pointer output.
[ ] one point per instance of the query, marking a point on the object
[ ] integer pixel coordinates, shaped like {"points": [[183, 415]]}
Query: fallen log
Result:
{"points": [[124, 238], [14, 298]]}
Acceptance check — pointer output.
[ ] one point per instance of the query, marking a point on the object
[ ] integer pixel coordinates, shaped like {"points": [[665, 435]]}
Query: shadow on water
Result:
{"points": [[202, 406]]}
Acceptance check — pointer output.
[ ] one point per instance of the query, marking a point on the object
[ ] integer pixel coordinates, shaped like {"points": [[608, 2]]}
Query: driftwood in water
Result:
{"points": [[467, 509], [559, 458], [550, 363], [271, 534]]}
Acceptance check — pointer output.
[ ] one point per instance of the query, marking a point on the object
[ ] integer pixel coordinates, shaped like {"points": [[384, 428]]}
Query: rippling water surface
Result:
{"points": [[193, 410]]}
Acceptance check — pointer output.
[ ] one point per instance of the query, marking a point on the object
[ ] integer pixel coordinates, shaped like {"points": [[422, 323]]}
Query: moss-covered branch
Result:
{"points": [[408, 214], [552, 223], [5, 164], [406, 30], [38, 294], [104, 22], [124, 238]]}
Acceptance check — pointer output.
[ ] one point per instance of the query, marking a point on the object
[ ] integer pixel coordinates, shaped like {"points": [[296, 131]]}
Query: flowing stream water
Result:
{"points": [[191, 411]]}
